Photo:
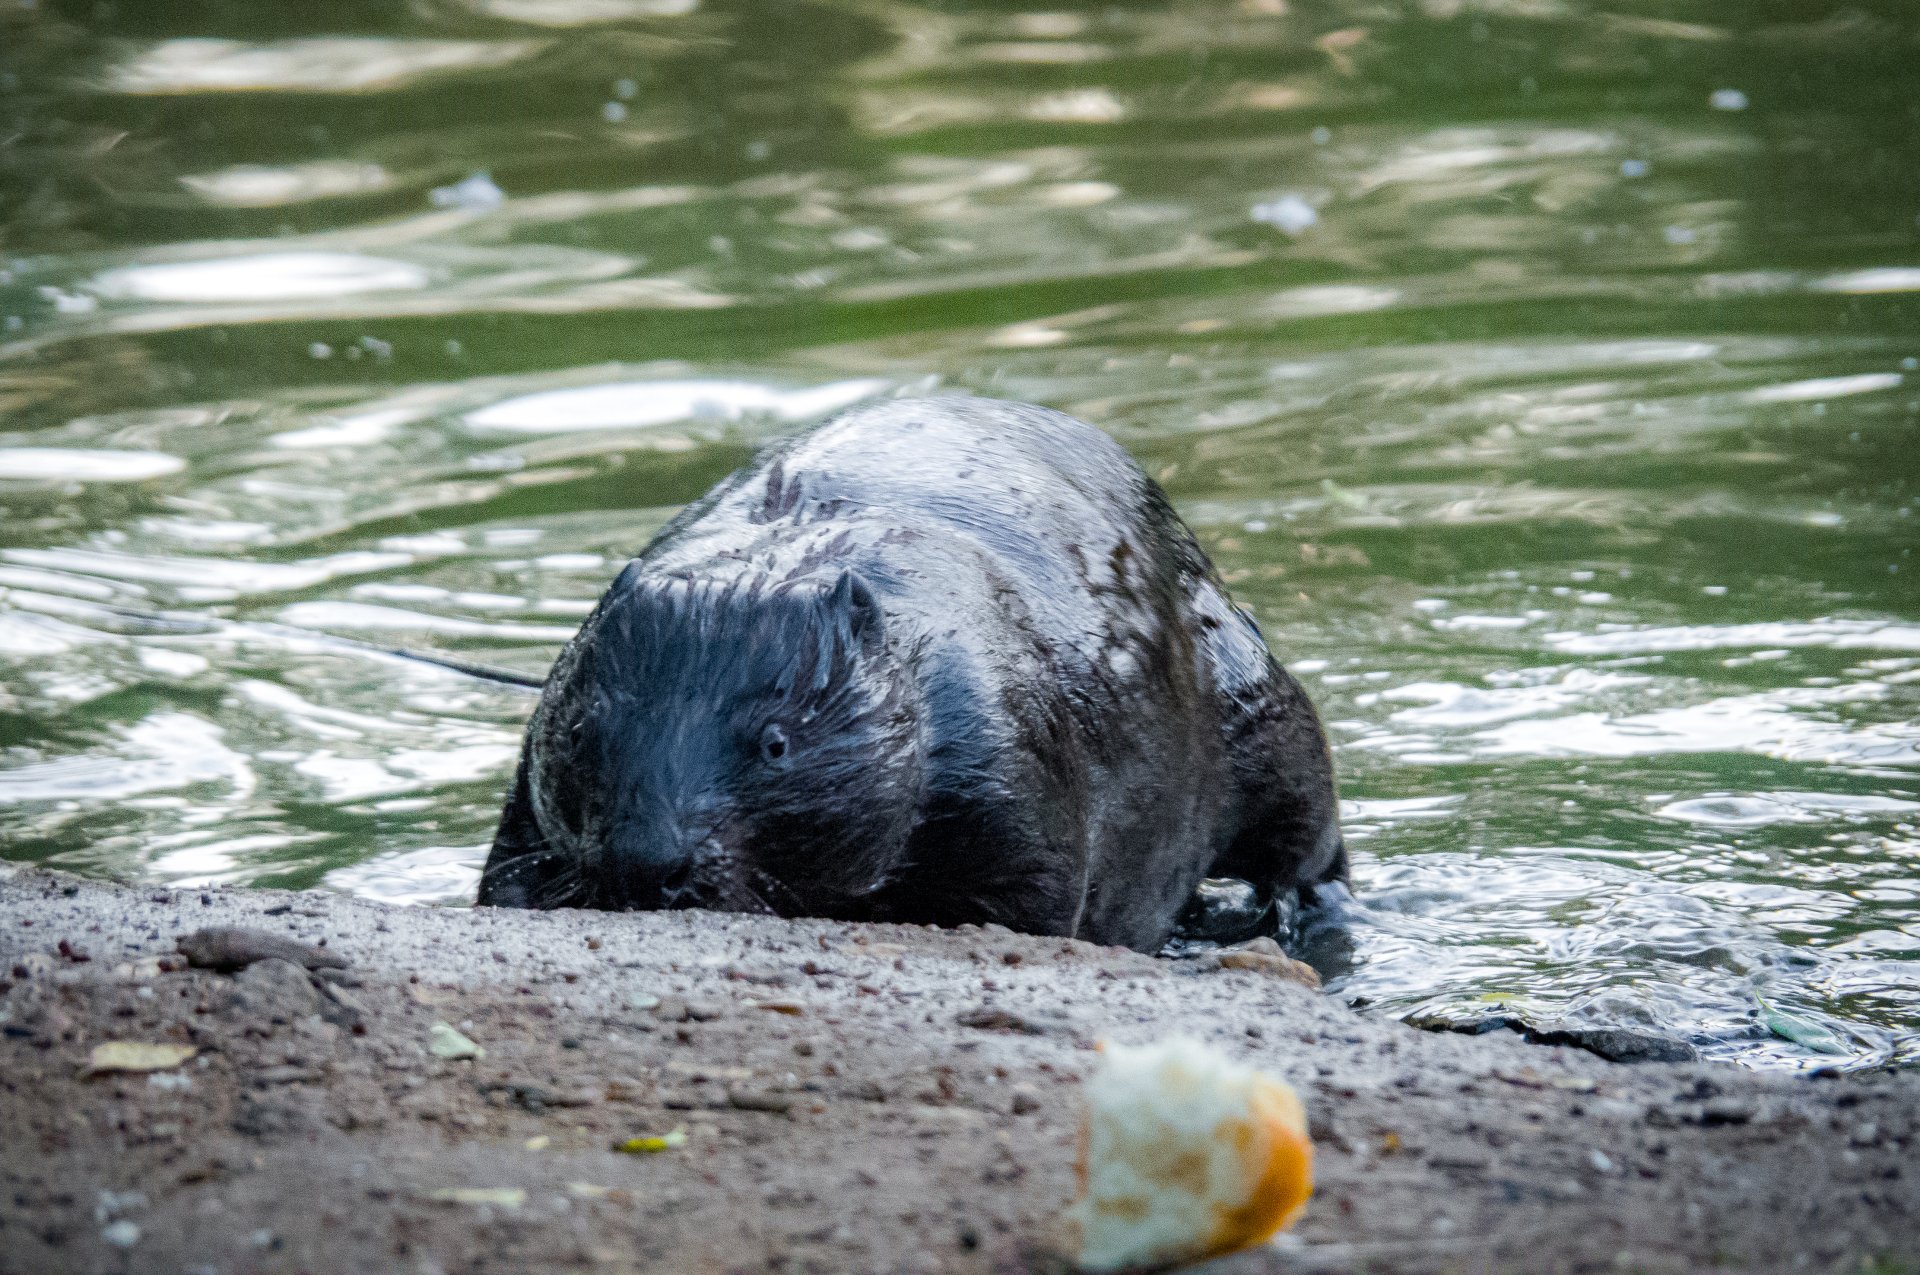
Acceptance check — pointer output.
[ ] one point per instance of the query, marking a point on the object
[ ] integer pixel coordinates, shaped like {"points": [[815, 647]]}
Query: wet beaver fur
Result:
{"points": [[940, 661]]}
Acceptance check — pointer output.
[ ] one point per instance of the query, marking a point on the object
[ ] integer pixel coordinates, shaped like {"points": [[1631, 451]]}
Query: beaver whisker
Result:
{"points": [[566, 888], [764, 878], [724, 883], [544, 878]]}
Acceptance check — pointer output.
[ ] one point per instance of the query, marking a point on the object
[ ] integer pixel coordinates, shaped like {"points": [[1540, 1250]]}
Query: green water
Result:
{"points": [[1545, 374]]}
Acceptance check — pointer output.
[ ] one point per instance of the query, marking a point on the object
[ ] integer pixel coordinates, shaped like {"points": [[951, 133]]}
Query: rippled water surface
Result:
{"points": [[1545, 374]]}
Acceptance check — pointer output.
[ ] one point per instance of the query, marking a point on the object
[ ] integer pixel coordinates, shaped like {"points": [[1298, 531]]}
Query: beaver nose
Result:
{"points": [[656, 871]]}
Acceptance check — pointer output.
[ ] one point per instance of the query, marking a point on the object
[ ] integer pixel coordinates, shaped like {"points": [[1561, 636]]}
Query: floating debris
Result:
{"points": [[1289, 214], [476, 194], [1802, 1030]]}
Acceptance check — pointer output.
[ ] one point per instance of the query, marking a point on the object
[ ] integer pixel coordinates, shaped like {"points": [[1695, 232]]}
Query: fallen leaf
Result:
{"points": [[1802, 1031], [227, 948], [507, 1197], [134, 1055], [450, 1044], [650, 1144]]}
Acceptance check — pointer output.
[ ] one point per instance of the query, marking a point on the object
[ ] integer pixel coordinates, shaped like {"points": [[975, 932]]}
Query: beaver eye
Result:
{"points": [[773, 744]]}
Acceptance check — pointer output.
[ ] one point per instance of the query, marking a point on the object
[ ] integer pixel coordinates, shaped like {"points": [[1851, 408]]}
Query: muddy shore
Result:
{"points": [[854, 1098]]}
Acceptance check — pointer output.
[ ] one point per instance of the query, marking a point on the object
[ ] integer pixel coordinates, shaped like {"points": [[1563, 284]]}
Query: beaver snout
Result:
{"points": [[660, 870]]}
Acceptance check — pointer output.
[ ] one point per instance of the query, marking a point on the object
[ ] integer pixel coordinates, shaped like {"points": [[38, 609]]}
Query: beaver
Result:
{"points": [[938, 661]]}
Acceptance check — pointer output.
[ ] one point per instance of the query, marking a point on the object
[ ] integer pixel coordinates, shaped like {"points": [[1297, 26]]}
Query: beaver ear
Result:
{"points": [[852, 598]]}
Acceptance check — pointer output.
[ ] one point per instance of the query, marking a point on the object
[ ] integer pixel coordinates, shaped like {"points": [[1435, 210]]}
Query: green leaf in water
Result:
{"points": [[1806, 1032]]}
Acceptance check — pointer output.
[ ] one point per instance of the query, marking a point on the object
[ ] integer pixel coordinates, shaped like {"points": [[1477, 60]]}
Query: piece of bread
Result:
{"points": [[1186, 1154]]}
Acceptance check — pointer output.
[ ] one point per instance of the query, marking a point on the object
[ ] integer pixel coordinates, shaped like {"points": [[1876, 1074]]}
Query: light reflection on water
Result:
{"points": [[1545, 377]]}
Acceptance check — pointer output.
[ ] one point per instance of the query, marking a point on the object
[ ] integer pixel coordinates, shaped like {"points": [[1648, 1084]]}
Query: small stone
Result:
{"points": [[1725, 1111], [1600, 1160], [121, 1234], [1274, 966], [1617, 1044], [748, 1098], [1864, 1134], [1026, 1023], [276, 988], [340, 1007], [1479, 1026], [1026, 1099], [111, 1204], [142, 970]]}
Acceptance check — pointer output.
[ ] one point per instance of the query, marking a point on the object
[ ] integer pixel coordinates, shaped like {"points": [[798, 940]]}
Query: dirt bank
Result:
{"points": [[855, 1099]]}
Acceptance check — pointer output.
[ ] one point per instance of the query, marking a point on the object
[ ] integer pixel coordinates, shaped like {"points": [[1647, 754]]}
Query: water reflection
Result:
{"points": [[1543, 376], [83, 464], [643, 403], [264, 186], [312, 65], [273, 276]]}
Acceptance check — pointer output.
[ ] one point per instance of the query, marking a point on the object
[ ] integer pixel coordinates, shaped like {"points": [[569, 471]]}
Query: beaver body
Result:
{"points": [[939, 661]]}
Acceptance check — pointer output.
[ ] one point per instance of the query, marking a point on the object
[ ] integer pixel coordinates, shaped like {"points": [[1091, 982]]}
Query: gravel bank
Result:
{"points": [[854, 1098]]}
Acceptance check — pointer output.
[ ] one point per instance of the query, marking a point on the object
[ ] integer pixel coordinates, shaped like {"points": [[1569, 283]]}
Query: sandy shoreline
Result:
{"points": [[855, 1098]]}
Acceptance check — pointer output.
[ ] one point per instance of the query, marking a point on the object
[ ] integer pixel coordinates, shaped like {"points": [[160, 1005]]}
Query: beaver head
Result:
{"points": [[744, 745]]}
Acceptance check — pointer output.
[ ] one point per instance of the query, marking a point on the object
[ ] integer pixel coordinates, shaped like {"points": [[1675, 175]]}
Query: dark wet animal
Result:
{"points": [[940, 661]]}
